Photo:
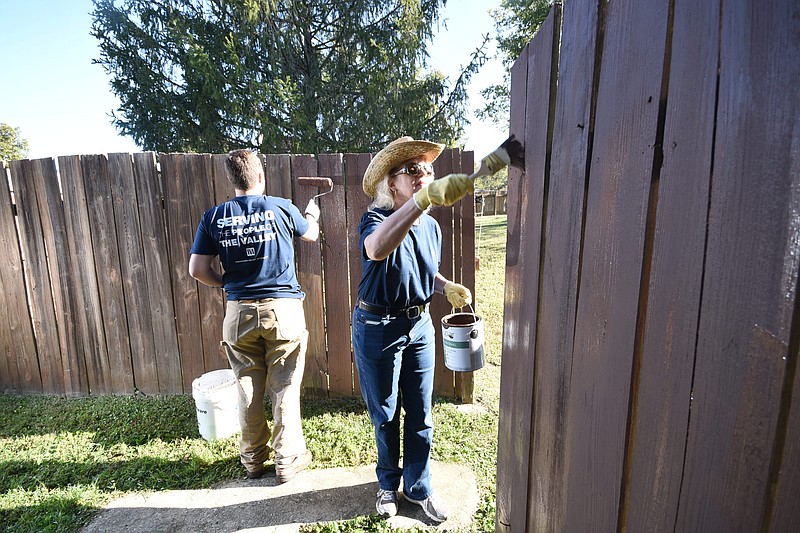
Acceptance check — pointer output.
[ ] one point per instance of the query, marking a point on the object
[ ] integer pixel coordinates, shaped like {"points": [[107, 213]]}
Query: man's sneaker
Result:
{"points": [[434, 508], [285, 472], [386, 504]]}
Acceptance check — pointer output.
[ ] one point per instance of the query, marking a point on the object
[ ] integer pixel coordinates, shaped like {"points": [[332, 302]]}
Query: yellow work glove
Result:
{"points": [[444, 191], [457, 295]]}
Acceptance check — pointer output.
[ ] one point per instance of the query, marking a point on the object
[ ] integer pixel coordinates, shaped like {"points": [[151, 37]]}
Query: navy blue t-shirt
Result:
{"points": [[254, 238], [406, 276]]}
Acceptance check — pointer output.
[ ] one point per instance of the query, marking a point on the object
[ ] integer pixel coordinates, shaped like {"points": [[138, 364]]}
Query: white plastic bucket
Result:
{"points": [[462, 338], [217, 402]]}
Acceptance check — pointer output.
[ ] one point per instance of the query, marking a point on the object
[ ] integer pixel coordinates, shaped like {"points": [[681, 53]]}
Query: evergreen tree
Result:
{"points": [[279, 76]]}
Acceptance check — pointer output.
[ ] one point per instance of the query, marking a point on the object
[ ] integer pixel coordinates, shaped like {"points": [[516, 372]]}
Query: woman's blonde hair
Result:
{"points": [[383, 196]]}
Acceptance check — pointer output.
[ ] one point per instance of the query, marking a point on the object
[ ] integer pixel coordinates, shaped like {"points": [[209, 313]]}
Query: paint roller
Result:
{"points": [[317, 182]]}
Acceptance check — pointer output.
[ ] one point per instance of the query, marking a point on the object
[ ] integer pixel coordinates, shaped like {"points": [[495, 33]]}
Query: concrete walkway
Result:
{"points": [[263, 506]]}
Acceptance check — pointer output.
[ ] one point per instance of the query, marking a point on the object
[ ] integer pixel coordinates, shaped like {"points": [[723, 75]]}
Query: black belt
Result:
{"points": [[409, 312]]}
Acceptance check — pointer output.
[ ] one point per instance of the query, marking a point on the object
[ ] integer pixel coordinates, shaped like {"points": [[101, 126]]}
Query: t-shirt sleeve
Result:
{"points": [[204, 243], [369, 222], [298, 220]]}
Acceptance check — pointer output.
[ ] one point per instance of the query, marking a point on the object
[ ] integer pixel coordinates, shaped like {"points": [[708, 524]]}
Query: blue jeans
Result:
{"points": [[395, 359]]}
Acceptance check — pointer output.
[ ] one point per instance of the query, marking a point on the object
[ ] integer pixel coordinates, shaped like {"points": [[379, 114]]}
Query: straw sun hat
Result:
{"points": [[393, 154]]}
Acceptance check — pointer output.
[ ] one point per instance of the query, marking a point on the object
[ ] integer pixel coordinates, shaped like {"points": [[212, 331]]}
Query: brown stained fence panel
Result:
{"points": [[357, 204], [664, 393], [748, 330], [133, 273], [512, 447], [18, 341], [278, 171], [181, 222], [443, 379], [662, 404], [617, 204], [40, 288], [335, 276], [465, 258], [310, 276], [573, 124], [89, 321], [158, 289], [539, 64]]}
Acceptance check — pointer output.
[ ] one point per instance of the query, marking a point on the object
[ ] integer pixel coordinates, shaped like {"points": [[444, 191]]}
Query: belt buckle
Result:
{"points": [[413, 312]]}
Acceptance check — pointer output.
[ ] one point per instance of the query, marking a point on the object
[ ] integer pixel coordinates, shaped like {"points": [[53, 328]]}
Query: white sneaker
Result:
{"points": [[386, 504], [434, 508]]}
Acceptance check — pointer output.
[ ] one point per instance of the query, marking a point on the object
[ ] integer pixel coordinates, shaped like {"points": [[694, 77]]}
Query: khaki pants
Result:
{"points": [[265, 341]]}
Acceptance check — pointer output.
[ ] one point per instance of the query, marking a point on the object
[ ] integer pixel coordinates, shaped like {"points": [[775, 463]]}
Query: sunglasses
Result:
{"points": [[415, 169]]}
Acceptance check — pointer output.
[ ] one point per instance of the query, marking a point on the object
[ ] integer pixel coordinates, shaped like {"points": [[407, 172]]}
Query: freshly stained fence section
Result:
{"points": [[97, 298], [649, 370]]}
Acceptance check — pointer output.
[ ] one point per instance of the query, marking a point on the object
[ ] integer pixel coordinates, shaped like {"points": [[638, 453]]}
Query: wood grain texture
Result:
{"points": [[315, 380], [335, 276], [181, 223], [18, 340], [512, 448], [81, 264], [616, 211], [357, 204], [750, 282], [662, 403], [118, 377], [155, 249], [573, 129], [443, 378], [133, 273]]}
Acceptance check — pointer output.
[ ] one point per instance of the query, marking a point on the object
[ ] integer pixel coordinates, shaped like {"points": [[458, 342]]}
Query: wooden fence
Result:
{"points": [[649, 369], [96, 294], [489, 203]]}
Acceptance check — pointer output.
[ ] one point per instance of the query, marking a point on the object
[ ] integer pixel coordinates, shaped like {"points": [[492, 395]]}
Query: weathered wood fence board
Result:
{"points": [[97, 298], [155, 246], [310, 277], [516, 370], [18, 341], [661, 414], [649, 376], [748, 318], [573, 129]]}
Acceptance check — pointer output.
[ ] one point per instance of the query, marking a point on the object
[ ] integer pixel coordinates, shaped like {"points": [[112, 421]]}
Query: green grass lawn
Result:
{"points": [[62, 460]]}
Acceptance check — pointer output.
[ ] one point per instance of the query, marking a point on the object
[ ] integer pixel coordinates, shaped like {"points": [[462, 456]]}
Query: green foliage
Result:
{"points": [[12, 145], [516, 22], [281, 77], [495, 182]]}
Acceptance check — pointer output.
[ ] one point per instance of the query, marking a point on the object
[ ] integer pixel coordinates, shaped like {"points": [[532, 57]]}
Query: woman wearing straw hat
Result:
{"points": [[393, 336]]}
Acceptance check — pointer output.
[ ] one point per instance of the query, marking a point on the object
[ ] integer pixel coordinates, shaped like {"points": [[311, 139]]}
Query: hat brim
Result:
{"points": [[392, 155]]}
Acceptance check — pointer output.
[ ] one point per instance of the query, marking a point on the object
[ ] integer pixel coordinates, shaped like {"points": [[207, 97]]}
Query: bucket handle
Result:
{"points": [[453, 309]]}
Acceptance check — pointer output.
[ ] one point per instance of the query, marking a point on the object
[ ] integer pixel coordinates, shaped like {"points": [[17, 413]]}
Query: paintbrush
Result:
{"points": [[511, 152]]}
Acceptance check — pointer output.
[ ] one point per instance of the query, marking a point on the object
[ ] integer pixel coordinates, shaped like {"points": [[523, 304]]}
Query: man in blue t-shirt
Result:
{"points": [[264, 333]]}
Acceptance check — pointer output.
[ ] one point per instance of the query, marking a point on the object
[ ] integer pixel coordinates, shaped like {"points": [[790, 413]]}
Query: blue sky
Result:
{"points": [[62, 103]]}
